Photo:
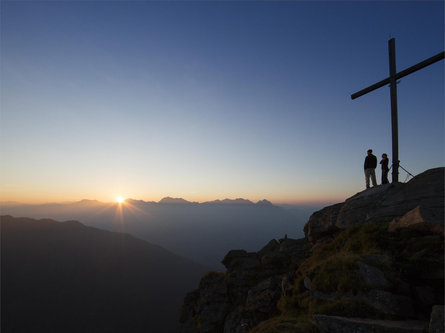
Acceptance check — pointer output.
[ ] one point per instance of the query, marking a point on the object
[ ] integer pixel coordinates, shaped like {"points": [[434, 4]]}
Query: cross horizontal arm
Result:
{"points": [[400, 74], [370, 88], [420, 65]]}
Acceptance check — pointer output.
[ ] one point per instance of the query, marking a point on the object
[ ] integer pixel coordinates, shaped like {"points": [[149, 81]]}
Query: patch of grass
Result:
{"points": [[361, 239], [337, 274], [356, 240], [295, 302]]}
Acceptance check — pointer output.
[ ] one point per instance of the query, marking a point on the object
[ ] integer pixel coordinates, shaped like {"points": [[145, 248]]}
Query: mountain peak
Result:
{"points": [[238, 201], [265, 203], [176, 201], [138, 202], [87, 202]]}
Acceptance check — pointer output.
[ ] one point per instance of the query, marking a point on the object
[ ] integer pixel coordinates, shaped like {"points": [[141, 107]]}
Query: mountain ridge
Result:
{"points": [[164, 200], [68, 277]]}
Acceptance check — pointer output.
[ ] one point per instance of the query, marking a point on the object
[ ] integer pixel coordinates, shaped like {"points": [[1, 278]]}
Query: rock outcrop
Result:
{"points": [[437, 319], [245, 295], [417, 204], [374, 263]]}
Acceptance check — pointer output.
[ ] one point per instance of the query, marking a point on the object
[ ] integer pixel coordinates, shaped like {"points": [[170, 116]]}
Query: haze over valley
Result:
{"points": [[203, 232]]}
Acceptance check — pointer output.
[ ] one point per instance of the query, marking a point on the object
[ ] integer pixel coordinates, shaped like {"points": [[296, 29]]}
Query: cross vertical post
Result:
{"points": [[394, 121]]}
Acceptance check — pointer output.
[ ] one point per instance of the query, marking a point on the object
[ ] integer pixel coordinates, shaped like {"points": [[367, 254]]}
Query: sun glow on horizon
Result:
{"points": [[120, 200]]}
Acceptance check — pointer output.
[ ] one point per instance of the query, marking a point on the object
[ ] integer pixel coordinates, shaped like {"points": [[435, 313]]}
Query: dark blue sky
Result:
{"points": [[207, 100]]}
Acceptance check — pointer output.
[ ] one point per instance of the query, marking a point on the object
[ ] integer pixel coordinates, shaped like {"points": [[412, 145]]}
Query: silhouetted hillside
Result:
{"points": [[66, 277]]}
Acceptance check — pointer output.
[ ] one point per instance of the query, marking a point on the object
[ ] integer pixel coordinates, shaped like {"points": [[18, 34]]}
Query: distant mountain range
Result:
{"points": [[166, 200], [203, 232], [66, 277]]}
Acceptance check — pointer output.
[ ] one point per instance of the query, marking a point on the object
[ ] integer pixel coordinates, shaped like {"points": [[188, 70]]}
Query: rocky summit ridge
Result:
{"points": [[374, 263]]}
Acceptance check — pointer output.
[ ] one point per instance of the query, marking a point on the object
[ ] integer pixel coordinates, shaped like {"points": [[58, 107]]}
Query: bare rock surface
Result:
{"points": [[437, 324], [353, 325], [373, 276], [422, 196], [205, 309], [421, 218]]}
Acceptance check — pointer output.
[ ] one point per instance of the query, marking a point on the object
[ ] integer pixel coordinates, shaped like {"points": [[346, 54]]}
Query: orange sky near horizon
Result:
{"points": [[44, 197]]}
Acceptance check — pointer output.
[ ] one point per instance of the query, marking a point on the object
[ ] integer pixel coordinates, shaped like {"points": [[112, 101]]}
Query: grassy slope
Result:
{"points": [[404, 255]]}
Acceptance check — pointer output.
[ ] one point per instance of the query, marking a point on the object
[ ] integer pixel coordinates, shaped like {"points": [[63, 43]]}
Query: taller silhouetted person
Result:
{"points": [[370, 165]]}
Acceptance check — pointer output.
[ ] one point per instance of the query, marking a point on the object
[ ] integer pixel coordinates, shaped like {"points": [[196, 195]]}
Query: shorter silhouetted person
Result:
{"points": [[370, 165], [385, 169]]}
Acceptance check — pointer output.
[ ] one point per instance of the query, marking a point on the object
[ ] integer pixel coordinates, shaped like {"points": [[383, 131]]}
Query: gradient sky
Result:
{"points": [[208, 100]]}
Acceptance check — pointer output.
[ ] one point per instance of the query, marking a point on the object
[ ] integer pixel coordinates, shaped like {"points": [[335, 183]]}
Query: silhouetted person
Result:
{"points": [[370, 165], [385, 169]]}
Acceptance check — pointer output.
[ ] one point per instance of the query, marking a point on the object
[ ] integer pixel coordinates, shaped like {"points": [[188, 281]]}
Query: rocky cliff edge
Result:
{"points": [[374, 263]]}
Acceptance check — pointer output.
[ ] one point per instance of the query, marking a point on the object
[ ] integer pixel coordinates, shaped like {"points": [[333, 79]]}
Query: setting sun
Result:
{"points": [[120, 200]]}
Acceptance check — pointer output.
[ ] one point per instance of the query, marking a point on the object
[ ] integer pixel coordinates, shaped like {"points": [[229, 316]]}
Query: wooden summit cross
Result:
{"points": [[392, 80]]}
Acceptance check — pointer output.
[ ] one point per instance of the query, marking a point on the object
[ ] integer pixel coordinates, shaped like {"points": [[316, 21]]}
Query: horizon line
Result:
{"points": [[184, 201]]}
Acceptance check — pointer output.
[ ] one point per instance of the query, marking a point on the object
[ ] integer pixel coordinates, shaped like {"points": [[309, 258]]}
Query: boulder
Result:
{"points": [[372, 276], [422, 218], [437, 319], [238, 260], [322, 223], [334, 324], [307, 282]]}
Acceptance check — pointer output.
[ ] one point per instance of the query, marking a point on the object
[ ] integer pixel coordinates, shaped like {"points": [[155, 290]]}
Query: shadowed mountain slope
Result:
{"points": [[66, 277]]}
